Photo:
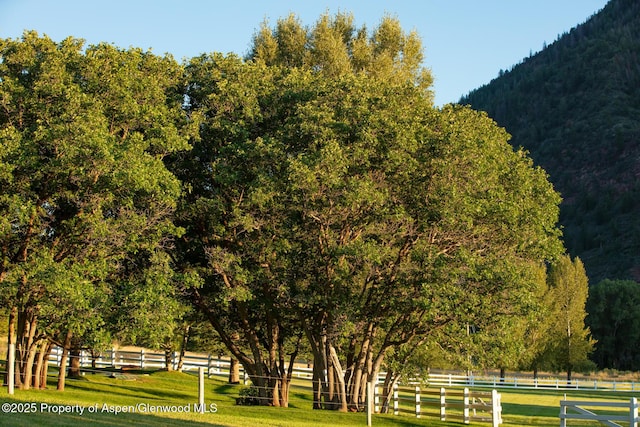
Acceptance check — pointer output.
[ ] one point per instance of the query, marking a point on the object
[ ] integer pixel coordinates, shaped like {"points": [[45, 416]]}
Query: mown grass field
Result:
{"points": [[101, 396]]}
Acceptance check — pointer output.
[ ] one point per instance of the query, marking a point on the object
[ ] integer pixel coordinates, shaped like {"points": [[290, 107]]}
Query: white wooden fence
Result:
{"points": [[146, 359], [461, 405], [580, 413], [450, 380]]}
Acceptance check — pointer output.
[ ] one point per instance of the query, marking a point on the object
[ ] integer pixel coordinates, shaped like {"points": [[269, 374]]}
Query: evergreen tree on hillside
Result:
{"points": [[614, 319]]}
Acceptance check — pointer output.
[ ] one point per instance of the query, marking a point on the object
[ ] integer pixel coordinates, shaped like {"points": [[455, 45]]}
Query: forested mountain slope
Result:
{"points": [[576, 107]]}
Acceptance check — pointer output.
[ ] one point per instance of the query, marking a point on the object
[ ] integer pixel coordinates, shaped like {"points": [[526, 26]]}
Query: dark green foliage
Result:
{"points": [[614, 319], [575, 107]]}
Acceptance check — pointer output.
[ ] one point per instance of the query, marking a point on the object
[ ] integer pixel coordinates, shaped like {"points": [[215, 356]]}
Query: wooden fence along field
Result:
{"points": [[145, 359], [460, 405], [450, 380], [579, 412]]}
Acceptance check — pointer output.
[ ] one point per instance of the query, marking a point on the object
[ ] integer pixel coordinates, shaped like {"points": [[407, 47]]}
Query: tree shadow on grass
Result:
{"points": [[530, 410], [138, 392]]}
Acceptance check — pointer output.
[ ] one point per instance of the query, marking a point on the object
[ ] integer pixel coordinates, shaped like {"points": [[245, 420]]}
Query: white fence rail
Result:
{"points": [[450, 380], [580, 413]]}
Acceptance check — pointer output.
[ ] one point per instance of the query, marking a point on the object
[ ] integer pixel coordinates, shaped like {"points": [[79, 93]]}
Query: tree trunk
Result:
{"points": [[365, 371], [63, 361], [183, 347], [390, 381], [338, 373], [275, 393], [168, 359], [29, 365], [26, 347], [330, 395], [45, 366], [284, 391], [263, 371], [74, 363], [234, 371], [318, 381], [357, 383], [94, 357], [37, 374], [286, 374]]}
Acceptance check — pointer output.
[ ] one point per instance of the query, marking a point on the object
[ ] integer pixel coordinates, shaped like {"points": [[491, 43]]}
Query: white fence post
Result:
{"points": [[466, 405], [369, 401], [142, 358], [443, 404], [633, 412], [496, 408], [396, 408], [417, 402], [11, 368], [201, 389]]}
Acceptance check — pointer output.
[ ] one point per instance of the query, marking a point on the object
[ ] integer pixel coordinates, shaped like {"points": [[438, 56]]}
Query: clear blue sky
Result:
{"points": [[467, 42]]}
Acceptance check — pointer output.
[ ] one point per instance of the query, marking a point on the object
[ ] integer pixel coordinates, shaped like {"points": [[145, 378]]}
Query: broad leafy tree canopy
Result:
{"points": [[85, 198], [336, 201]]}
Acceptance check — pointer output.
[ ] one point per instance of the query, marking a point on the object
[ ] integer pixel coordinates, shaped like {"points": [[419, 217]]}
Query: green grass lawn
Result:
{"points": [[103, 400]]}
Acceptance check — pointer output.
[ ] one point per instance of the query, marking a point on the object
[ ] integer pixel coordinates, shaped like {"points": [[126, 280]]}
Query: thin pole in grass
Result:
{"points": [[201, 389], [369, 402], [11, 368]]}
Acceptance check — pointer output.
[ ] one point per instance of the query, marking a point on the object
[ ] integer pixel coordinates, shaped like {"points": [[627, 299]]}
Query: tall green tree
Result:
{"points": [[85, 199], [614, 321], [513, 342], [343, 206], [569, 339], [234, 216], [415, 243]]}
